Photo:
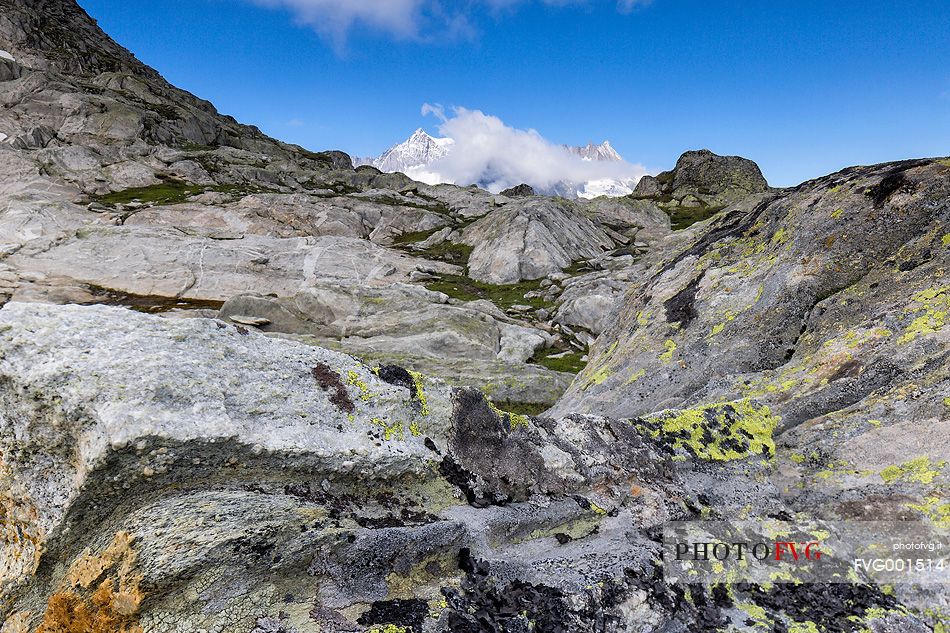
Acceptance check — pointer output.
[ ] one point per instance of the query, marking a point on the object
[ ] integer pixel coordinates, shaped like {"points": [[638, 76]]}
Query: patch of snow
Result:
{"points": [[417, 152], [6, 55], [606, 187], [591, 152]]}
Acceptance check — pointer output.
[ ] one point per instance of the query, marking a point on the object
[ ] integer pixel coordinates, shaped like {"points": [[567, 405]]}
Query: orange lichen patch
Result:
{"points": [[112, 607], [90, 567], [21, 537], [104, 612]]}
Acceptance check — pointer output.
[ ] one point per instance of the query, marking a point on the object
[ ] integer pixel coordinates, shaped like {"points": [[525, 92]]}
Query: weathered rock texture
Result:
{"points": [[185, 475], [531, 239], [829, 303]]}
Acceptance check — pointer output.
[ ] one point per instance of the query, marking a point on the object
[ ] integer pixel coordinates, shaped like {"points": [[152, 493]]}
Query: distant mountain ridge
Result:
{"points": [[602, 152], [417, 155], [420, 149]]}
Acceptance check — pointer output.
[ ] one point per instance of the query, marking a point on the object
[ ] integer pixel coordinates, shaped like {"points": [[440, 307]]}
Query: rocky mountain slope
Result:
{"points": [[120, 188], [246, 387]]}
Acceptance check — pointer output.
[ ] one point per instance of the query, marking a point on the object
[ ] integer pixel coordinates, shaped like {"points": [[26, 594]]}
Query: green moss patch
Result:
{"points": [[448, 252], [504, 296], [172, 191], [167, 192], [515, 419], [579, 267], [414, 236], [519, 410], [684, 217], [570, 362]]}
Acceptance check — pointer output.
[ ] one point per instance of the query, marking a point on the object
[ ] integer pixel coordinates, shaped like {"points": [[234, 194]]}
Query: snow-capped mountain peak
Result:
{"points": [[602, 152], [418, 150], [419, 155]]}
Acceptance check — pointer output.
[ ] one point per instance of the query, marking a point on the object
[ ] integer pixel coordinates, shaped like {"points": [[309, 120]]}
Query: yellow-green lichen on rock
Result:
{"points": [[920, 470], [640, 373], [717, 432], [667, 356], [933, 303], [603, 369], [391, 430], [353, 378], [420, 393], [871, 614], [936, 509], [515, 420]]}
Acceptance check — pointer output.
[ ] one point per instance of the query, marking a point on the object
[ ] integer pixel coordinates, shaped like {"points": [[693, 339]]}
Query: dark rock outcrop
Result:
{"points": [[701, 184], [519, 191]]}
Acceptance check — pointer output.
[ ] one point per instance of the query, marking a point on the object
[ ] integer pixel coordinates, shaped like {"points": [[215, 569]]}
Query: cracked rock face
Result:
{"points": [[205, 477], [828, 303], [829, 291], [531, 239]]}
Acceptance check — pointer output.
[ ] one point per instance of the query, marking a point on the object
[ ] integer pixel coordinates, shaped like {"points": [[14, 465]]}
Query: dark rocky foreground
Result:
{"points": [[245, 387]]}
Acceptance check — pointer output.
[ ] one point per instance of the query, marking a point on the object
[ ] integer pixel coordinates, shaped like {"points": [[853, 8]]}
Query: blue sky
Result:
{"points": [[803, 88]]}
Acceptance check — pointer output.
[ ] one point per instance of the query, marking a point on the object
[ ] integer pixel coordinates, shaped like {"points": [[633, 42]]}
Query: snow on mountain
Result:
{"points": [[606, 187], [602, 152], [418, 157], [417, 152]]}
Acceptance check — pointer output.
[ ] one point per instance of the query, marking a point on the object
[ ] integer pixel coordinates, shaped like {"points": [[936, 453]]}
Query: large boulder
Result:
{"points": [[199, 265], [770, 285], [519, 191], [378, 216], [701, 184], [530, 239]]}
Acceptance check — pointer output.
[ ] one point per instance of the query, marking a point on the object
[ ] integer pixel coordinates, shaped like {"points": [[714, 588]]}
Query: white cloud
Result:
{"points": [[435, 109], [406, 19], [497, 156], [626, 6], [334, 18]]}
